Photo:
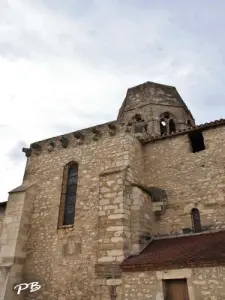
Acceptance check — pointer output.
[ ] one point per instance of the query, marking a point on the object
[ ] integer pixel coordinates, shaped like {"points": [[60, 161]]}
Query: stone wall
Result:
{"points": [[65, 260], [113, 218], [118, 230], [190, 180], [1, 220], [141, 218], [203, 283], [14, 237]]}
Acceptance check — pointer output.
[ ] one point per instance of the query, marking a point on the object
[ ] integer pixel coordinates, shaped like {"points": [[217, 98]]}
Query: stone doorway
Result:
{"points": [[176, 289]]}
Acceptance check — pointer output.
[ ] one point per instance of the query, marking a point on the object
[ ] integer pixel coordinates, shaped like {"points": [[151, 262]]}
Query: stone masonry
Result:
{"points": [[133, 183]]}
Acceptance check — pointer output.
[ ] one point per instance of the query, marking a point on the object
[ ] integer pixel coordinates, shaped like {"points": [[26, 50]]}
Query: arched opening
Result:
{"points": [[172, 126], [167, 124], [189, 123], [68, 194], [163, 127], [196, 221]]}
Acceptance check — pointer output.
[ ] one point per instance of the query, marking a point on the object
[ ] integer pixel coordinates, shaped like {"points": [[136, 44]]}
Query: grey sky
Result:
{"points": [[66, 65]]}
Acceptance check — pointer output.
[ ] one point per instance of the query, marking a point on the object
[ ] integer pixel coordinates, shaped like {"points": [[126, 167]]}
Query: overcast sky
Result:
{"points": [[66, 65]]}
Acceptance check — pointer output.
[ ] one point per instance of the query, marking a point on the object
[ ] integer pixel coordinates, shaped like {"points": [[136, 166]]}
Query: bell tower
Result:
{"points": [[156, 109]]}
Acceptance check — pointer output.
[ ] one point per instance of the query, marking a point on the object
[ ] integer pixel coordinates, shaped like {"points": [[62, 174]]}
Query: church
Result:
{"points": [[133, 209]]}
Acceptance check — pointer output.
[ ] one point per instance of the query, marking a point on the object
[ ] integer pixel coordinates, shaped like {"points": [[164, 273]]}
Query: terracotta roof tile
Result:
{"points": [[178, 252]]}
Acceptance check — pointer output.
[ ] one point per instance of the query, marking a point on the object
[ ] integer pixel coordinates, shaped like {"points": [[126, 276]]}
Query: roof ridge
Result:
{"points": [[189, 234], [198, 252]]}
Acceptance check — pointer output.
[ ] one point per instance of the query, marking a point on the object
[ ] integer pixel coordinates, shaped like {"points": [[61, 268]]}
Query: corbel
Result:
{"points": [[79, 136], [51, 146], [112, 129], [36, 147], [96, 133], [64, 141], [129, 127], [27, 151]]}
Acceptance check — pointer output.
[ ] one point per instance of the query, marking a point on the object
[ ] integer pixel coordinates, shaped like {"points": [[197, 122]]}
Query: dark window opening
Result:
{"points": [[68, 197], [196, 221], [172, 126], [3, 207], [163, 127], [189, 123], [197, 141]]}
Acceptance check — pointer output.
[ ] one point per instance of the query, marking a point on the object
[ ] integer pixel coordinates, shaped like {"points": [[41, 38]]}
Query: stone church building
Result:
{"points": [[133, 209]]}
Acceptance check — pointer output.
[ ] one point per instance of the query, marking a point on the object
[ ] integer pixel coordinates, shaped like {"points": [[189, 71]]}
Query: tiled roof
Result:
{"points": [[183, 131], [204, 249]]}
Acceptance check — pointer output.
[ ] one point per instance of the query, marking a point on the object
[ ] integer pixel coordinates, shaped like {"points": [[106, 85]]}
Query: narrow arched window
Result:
{"points": [[196, 221], [68, 195], [167, 124], [172, 126], [163, 127]]}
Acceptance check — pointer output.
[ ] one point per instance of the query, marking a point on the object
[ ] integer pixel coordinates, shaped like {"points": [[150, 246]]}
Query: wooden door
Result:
{"points": [[176, 289]]}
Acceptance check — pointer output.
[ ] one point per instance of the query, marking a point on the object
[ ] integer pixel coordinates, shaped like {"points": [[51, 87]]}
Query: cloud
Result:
{"points": [[14, 155], [66, 66]]}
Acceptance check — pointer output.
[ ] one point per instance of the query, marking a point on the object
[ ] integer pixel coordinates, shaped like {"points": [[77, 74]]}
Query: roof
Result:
{"points": [[200, 127], [204, 249], [23, 187], [164, 87]]}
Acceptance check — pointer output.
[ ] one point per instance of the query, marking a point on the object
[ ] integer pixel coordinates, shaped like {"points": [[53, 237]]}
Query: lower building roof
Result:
{"points": [[197, 250]]}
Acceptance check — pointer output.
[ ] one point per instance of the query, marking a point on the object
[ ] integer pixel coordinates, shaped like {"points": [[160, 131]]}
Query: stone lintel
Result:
{"points": [[106, 259], [113, 281], [174, 274]]}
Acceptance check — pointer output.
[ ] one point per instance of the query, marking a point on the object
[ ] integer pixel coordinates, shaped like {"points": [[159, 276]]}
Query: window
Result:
{"points": [[189, 123], [68, 196], [196, 222], [163, 128], [172, 127], [197, 141], [167, 124]]}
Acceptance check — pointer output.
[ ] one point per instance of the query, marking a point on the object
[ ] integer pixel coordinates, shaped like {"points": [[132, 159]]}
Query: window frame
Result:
{"points": [[196, 222], [66, 196]]}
